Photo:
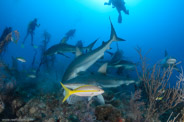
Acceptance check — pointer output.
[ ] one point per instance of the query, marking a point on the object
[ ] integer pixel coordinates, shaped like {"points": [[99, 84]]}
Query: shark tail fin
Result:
{"points": [[90, 46], [68, 92], [114, 36]]}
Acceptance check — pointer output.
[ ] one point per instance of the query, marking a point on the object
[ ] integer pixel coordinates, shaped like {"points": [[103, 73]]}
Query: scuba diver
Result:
{"points": [[31, 27], [120, 6]]}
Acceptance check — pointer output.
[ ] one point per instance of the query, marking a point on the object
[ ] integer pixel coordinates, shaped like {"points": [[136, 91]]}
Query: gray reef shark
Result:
{"points": [[100, 79], [169, 61], [83, 61], [125, 64], [64, 47], [117, 56]]}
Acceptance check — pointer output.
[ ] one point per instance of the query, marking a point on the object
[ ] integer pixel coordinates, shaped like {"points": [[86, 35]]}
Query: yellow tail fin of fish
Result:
{"points": [[68, 92]]}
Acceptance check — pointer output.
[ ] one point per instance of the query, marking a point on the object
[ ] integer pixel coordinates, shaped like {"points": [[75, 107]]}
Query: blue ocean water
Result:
{"points": [[152, 24], [155, 25]]}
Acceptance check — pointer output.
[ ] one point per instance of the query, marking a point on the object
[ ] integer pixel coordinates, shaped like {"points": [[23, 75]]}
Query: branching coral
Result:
{"points": [[5, 39], [136, 106], [7, 36], [160, 97], [43, 47]]}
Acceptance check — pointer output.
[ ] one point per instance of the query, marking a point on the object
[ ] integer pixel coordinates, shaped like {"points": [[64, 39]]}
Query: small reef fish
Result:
{"points": [[159, 98], [21, 59], [86, 90]]}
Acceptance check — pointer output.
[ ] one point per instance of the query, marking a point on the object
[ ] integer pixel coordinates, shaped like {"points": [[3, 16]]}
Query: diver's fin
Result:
{"points": [[166, 54], [103, 69], [68, 92], [78, 52], [63, 54], [114, 37]]}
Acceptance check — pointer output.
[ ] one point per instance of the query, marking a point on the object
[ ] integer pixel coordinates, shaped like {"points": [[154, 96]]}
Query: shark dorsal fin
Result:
{"points": [[78, 52], [103, 68], [166, 54]]}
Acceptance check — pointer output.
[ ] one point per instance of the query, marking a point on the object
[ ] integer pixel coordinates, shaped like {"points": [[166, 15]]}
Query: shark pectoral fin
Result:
{"points": [[100, 99], [89, 98], [63, 55], [103, 69], [110, 53], [78, 52]]}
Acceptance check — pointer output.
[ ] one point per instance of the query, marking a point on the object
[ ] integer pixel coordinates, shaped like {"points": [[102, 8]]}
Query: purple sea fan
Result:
{"points": [[136, 106]]}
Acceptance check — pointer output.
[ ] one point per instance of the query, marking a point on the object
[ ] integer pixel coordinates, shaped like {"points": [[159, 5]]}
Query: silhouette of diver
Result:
{"points": [[120, 6], [30, 30], [68, 35]]}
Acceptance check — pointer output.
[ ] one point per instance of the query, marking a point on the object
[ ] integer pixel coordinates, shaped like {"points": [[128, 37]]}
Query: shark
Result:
{"points": [[117, 56], [117, 61], [83, 61], [169, 61], [101, 79], [125, 64], [64, 47]]}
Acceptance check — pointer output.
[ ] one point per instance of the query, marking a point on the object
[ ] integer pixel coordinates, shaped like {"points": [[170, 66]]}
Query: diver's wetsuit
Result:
{"points": [[31, 27], [120, 6]]}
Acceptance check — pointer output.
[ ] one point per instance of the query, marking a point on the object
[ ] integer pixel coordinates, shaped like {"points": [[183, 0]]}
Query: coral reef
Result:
{"points": [[42, 108], [107, 113], [2, 105], [159, 97]]}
